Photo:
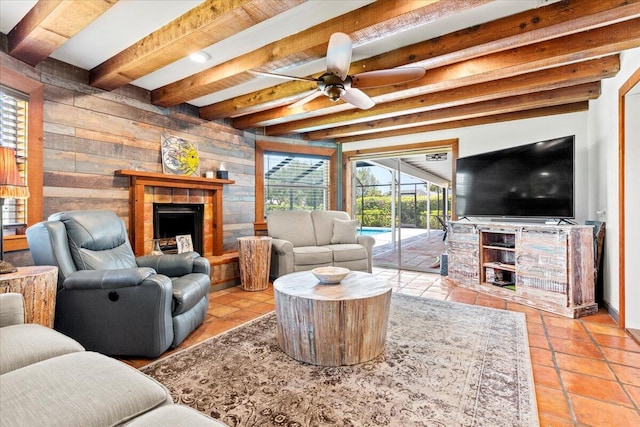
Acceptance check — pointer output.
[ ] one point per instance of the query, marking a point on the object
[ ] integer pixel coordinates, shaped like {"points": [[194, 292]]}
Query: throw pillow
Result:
{"points": [[344, 231]]}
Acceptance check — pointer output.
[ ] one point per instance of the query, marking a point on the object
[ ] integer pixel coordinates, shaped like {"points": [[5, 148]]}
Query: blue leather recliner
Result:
{"points": [[108, 299]]}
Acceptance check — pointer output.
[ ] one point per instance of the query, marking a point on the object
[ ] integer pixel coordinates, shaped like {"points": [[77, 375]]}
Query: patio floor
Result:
{"points": [[420, 249]]}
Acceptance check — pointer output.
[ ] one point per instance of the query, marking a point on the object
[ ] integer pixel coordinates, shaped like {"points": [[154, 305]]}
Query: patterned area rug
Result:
{"points": [[444, 364]]}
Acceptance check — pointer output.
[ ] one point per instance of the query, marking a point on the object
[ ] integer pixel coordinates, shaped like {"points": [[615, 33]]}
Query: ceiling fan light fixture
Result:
{"points": [[200, 56], [334, 92], [337, 84], [435, 157]]}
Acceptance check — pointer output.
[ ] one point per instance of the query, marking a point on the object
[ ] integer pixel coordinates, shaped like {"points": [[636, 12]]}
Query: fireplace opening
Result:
{"points": [[171, 220]]}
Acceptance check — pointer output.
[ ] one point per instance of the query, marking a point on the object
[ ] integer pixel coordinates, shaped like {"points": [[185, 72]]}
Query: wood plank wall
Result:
{"points": [[89, 133]]}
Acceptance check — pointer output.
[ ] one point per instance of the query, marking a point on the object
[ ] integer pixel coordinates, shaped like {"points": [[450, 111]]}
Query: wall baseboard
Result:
{"points": [[612, 312]]}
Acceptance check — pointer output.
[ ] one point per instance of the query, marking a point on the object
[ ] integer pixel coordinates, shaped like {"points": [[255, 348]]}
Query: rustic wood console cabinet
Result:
{"points": [[549, 267]]}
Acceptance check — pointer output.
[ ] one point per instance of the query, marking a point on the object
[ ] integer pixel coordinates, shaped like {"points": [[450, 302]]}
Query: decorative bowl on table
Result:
{"points": [[330, 275]]}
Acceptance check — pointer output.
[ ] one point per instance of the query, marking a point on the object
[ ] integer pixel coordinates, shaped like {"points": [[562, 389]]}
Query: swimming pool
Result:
{"points": [[370, 231]]}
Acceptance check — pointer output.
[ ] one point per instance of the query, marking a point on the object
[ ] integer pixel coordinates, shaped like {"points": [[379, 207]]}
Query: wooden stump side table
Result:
{"points": [[254, 253], [332, 325], [38, 285]]}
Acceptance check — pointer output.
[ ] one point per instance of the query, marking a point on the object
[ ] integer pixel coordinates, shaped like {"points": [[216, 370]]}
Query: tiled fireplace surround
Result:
{"points": [[146, 188]]}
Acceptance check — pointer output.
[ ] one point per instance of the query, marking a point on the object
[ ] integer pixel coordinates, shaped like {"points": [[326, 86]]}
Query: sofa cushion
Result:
{"points": [[344, 231], [312, 255], [348, 252], [25, 344], [81, 389], [355, 265], [323, 224], [175, 416], [12, 312], [294, 226]]}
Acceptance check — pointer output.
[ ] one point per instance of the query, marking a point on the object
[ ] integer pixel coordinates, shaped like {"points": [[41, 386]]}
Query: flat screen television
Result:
{"points": [[529, 181]]}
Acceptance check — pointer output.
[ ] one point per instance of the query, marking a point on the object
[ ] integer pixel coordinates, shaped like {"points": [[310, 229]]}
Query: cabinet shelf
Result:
{"points": [[500, 266], [500, 248], [498, 258]]}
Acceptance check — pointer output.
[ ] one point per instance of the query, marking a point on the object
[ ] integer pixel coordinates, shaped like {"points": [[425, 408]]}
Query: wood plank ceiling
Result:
{"points": [[541, 61]]}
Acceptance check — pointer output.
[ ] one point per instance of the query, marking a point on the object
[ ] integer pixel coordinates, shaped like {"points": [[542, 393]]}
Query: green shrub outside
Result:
{"points": [[375, 211]]}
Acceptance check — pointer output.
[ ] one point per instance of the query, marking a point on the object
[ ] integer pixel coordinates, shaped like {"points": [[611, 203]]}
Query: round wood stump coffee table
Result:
{"points": [[332, 325]]}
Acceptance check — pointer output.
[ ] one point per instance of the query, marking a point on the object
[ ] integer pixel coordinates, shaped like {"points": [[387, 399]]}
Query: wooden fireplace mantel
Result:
{"points": [[177, 181], [139, 180]]}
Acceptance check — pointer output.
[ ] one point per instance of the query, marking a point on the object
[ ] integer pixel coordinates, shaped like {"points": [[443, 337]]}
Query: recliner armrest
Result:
{"points": [[281, 246], [108, 279], [202, 265], [175, 265]]}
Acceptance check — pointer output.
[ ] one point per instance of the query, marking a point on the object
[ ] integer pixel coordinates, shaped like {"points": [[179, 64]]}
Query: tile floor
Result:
{"points": [[586, 371]]}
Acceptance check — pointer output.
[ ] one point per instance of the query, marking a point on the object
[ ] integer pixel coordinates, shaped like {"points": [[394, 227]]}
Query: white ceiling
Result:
{"points": [[131, 20]]}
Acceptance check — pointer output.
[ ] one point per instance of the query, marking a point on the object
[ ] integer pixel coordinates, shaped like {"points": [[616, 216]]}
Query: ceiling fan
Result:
{"points": [[336, 83]]}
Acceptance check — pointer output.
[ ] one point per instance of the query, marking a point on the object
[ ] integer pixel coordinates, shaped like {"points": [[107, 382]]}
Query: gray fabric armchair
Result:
{"points": [[109, 300]]}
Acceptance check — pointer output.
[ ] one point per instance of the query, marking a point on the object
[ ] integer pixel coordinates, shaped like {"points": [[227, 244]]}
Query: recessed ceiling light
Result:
{"points": [[200, 56]]}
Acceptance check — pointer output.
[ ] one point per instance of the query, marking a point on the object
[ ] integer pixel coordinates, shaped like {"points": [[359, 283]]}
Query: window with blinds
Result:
{"points": [[295, 182], [13, 134]]}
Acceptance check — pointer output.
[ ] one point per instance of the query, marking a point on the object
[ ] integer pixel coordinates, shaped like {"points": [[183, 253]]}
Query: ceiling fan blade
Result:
{"points": [[281, 76], [313, 95], [358, 98], [339, 55], [380, 78]]}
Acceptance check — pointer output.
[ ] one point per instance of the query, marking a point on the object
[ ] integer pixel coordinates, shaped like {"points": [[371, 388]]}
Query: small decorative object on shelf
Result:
{"points": [[184, 243], [498, 276], [222, 172], [156, 248]]}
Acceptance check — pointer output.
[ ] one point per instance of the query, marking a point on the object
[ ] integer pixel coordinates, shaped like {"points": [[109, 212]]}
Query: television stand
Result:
{"points": [[546, 266]]}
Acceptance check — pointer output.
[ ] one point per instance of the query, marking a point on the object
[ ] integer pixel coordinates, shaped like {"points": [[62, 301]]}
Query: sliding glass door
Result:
{"points": [[396, 205]]}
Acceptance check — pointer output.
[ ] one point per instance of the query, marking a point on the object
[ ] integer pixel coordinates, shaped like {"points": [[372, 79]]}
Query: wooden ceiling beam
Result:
{"points": [[49, 24], [569, 49], [552, 53], [555, 20], [476, 121], [567, 95], [200, 27], [376, 18], [547, 79]]}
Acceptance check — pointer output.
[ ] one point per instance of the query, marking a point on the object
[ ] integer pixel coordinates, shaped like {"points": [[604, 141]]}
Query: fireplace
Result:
{"points": [[172, 219], [147, 188]]}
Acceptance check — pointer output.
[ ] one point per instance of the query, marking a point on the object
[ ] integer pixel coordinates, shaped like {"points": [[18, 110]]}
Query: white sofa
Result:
{"points": [[304, 240], [48, 379]]}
